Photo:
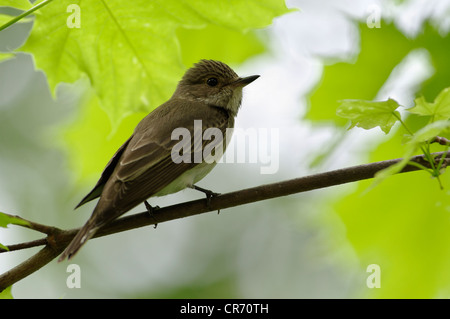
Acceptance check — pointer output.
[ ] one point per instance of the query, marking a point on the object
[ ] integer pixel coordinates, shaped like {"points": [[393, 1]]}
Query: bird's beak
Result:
{"points": [[241, 82]]}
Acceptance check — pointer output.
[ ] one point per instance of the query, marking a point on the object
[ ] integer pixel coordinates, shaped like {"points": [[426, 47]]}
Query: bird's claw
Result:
{"points": [[151, 212], [209, 194]]}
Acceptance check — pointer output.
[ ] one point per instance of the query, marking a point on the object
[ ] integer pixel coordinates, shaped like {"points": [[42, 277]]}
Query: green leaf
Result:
{"points": [[106, 120], [368, 114], [430, 131], [401, 225], [218, 43], [18, 4], [130, 52], [24, 16], [4, 56], [362, 76], [6, 294], [438, 110], [394, 169], [421, 136], [4, 18], [89, 142], [5, 220]]}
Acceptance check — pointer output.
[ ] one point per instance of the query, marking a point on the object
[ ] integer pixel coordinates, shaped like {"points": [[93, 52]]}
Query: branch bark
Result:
{"points": [[57, 239]]}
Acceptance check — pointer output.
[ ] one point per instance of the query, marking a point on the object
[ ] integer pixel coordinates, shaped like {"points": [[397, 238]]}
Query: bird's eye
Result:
{"points": [[212, 82]]}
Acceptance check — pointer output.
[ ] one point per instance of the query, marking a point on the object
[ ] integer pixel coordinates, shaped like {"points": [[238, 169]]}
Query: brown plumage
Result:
{"points": [[143, 166]]}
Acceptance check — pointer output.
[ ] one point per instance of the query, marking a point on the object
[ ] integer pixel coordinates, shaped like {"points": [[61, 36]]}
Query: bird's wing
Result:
{"points": [[97, 190], [146, 165]]}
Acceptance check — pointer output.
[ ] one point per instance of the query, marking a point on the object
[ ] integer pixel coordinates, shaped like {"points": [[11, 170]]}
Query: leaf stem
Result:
{"points": [[420, 166], [434, 171], [442, 158], [403, 123], [24, 14]]}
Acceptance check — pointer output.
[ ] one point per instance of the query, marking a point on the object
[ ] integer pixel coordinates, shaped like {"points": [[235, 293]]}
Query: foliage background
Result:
{"points": [[55, 140]]}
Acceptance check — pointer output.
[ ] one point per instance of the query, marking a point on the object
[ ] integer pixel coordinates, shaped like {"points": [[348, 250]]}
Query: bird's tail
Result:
{"points": [[83, 235]]}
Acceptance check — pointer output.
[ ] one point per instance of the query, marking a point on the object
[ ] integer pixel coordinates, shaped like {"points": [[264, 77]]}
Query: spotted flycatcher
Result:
{"points": [[209, 93]]}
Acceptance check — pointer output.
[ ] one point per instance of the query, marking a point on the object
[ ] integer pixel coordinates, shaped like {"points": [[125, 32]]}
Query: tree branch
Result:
{"points": [[58, 239]]}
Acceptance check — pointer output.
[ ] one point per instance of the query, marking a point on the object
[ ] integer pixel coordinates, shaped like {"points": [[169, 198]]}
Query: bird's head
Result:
{"points": [[214, 83]]}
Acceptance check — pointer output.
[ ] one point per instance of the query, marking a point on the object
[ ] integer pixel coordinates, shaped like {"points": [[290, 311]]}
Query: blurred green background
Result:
{"points": [[55, 138]]}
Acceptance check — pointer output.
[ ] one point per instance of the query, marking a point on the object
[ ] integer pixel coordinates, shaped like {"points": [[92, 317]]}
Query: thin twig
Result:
{"points": [[440, 140], [26, 245], [48, 230]]}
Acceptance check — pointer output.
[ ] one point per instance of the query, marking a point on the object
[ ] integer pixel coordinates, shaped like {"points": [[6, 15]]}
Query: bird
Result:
{"points": [[210, 93]]}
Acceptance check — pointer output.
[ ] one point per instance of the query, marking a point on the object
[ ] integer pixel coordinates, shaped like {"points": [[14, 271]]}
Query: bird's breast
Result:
{"points": [[187, 179]]}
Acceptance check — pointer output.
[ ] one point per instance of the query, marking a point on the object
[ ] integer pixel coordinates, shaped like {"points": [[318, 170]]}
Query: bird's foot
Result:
{"points": [[151, 212], [209, 194]]}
